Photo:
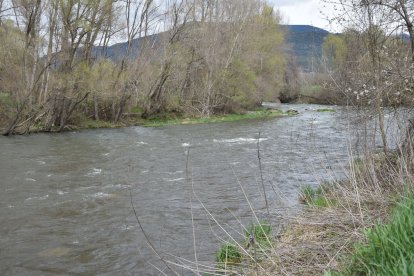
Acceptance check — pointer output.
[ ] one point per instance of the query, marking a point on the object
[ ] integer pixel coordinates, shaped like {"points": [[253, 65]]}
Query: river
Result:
{"points": [[66, 199]]}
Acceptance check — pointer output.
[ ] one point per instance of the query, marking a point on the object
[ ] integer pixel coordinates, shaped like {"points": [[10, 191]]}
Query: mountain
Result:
{"points": [[305, 44], [116, 52]]}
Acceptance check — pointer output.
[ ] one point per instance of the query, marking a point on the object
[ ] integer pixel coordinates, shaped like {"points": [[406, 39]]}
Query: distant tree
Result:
{"points": [[334, 50]]}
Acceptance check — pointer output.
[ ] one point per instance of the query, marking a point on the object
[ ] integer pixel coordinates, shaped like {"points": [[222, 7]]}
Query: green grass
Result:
{"points": [[389, 249], [316, 198], [136, 109], [92, 124], [325, 110], [262, 233], [257, 114], [228, 254], [6, 99], [165, 119], [309, 90]]}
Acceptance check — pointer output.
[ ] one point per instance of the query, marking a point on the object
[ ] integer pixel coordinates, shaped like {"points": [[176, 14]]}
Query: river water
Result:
{"points": [[66, 200]]}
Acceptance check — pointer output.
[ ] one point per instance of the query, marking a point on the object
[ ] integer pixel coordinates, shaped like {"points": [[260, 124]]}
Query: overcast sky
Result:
{"points": [[305, 12]]}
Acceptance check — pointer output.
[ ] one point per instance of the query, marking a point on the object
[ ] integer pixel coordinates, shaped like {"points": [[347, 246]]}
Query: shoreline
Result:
{"points": [[337, 226], [168, 120]]}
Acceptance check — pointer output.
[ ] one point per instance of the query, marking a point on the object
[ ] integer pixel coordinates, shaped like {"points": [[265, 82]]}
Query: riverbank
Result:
{"points": [[341, 232], [164, 120]]}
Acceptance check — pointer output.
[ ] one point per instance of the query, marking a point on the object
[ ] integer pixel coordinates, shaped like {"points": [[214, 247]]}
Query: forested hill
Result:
{"points": [[117, 51], [304, 42]]}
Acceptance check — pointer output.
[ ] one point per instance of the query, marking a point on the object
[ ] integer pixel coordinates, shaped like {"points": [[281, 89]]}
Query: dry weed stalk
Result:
{"points": [[317, 240]]}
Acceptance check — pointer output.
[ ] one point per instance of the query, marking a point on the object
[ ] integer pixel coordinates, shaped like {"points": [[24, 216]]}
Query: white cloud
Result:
{"points": [[306, 12], [284, 3]]}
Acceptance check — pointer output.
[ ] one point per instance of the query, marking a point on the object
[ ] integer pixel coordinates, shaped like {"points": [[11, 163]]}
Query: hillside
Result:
{"points": [[303, 41], [117, 51]]}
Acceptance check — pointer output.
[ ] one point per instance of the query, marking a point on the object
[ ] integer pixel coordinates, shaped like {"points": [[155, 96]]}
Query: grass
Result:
{"points": [[164, 119], [361, 231], [389, 249], [92, 124], [309, 90], [262, 234], [6, 100], [325, 110], [257, 114], [228, 254], [317, 198]]}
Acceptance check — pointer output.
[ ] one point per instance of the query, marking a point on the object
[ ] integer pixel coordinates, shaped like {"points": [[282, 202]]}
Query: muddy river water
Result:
{"points": [[66, 199]]}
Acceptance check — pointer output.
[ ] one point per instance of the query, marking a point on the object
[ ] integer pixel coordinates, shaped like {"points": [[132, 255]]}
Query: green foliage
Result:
{"points": [[11, 61], [307, 194], [311, 90], [335, 50], [6, 100], [91, 124], [238, 83], [228, 254], [262, 233], [136, 109], [263, 52], [316, 198], [358, 163], [209, 68], [6, 106], [316, 93], [389, 249], [259, 114]]}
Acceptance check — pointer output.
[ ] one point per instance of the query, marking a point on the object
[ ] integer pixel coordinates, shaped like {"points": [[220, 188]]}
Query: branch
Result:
{"points": [[147, 238]]}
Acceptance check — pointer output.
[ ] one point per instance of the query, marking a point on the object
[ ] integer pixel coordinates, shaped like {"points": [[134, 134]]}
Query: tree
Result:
{"points": [[334, 50], [198, 57], [378, 66]]}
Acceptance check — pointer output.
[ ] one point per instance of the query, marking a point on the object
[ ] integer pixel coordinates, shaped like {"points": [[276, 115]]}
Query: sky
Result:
{"points": [[305, 12]]}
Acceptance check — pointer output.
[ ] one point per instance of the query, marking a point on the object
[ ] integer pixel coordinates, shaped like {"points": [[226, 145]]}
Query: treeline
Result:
{"points": [[198, 57]]}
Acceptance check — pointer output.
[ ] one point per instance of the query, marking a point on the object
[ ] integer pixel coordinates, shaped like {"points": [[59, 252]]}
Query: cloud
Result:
{"points": [[286, 3], [305, 12]]}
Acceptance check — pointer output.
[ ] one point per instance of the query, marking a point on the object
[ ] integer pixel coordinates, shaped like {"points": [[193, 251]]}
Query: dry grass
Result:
{"points": [[314, 242], [321, 239]]}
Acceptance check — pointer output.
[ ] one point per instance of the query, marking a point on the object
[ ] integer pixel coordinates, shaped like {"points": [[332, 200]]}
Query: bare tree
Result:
{"points": [[31, 13], [378, 68]]}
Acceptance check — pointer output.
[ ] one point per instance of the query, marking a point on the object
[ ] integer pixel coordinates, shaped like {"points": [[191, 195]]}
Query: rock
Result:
{"points": [[292, 112]]}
